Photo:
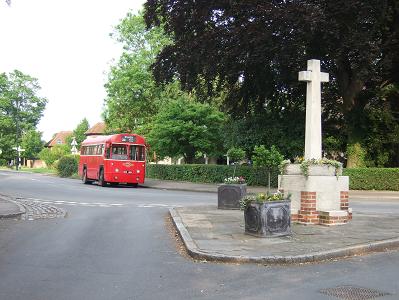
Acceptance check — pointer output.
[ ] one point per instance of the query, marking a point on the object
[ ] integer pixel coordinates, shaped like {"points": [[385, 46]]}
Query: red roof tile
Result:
{"points": [[97, 129]]}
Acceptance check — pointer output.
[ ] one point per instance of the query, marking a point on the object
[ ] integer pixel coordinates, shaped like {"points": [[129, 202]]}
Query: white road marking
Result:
{"points": [[101, 204], [155, 205], [74, 203]]}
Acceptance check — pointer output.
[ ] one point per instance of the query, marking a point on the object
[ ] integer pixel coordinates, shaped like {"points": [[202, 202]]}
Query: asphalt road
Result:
{"points": [[114, 244]]}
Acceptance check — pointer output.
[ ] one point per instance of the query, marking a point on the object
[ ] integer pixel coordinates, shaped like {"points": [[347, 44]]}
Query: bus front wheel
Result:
{"points": [[101, 181], [84, 177]]}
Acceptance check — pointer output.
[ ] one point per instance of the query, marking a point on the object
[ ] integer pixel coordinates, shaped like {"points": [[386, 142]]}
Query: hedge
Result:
{"points": [[211, 173], [67, 165], [373, 178], [359, 179]]}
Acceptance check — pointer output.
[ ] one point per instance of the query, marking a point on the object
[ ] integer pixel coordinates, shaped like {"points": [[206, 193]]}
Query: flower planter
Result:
{"points": [[268, 219], [229, 195], [313, 170]]}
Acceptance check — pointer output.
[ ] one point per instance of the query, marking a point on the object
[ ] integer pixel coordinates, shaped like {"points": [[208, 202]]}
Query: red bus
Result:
{"points": [[118, 158]]}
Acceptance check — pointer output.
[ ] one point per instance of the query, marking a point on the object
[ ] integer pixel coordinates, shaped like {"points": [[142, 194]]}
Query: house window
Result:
{"points": [[59, 142]]}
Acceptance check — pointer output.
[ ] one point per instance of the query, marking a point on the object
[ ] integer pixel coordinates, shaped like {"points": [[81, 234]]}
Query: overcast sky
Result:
{"points": [[65, 44]]}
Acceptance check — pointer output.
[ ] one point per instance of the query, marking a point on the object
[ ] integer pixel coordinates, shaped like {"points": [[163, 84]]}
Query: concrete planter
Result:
{"points": [[314, 170], [268, 219], [293, 169], [229, 195]]}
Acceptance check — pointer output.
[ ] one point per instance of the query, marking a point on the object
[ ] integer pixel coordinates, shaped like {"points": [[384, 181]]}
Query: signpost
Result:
{"points": [[19, 150], [74, 144]]}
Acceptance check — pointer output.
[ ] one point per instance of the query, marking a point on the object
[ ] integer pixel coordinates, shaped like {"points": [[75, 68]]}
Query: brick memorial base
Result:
{"points": [[320, 198]]}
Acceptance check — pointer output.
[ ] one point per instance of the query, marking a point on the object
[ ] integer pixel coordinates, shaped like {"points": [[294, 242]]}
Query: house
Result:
{"points": [[98, 129], [58, 139]]}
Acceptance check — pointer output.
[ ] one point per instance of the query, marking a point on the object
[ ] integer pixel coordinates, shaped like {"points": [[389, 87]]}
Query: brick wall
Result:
{"points": [[308, 213]]}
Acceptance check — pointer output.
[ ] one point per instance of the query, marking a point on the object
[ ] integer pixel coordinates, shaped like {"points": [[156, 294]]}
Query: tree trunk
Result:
{"points": [[189, 160], [350, 86]]}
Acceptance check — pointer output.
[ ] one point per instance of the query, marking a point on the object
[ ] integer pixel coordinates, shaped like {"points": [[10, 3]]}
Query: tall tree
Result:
{"points": [[257, 47], [21, 108], [132, 95]]}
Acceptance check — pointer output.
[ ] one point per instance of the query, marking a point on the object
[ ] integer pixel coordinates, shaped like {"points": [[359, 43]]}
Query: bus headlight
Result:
{"points": [[138, 171], [116, 170]]}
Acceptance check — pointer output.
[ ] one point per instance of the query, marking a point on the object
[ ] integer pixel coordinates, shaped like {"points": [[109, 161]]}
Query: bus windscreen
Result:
{"points": [[119, 152]]}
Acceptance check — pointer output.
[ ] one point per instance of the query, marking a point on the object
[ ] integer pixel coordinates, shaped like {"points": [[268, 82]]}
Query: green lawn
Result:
{"points": [[40, 170], [36, 170]]}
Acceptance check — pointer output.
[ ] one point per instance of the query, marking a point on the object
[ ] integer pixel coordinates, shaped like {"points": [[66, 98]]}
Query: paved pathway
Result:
{"points": [[214, 234]]}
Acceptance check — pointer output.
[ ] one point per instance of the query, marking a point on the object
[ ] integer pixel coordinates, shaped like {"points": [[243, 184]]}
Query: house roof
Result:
{"points": [[97, 129], [59, 138]]}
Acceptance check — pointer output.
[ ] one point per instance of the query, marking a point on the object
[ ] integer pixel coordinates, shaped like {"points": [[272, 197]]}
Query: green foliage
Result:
{"points": [[236, 154], [382, 127], [261, 198], [263, 48], [356, 156], [185, 127], [263, 157], [78, 133], [282, 128], [210, 173], [32, 143], [67, 165], [359, 179], [132, 95], [51, 155], [20, 109], [305, 164], [373, 178]]}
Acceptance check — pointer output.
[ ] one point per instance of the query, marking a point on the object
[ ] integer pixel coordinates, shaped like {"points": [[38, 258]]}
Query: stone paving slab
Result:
{"points": [[9, 208], [213, 234]]}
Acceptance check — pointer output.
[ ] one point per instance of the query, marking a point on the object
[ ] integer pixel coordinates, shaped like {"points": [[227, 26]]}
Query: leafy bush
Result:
{"points": [[373, 178], [211, 173], [50, 156], [67, 165], [263, 157], [236, 154]]}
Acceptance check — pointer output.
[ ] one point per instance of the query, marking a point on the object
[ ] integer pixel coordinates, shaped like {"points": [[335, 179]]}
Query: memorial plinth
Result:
{"points": [[319, 198]]}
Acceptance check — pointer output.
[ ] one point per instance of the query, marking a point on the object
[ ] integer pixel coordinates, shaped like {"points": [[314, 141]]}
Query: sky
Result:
{"points": [[65, 44]]}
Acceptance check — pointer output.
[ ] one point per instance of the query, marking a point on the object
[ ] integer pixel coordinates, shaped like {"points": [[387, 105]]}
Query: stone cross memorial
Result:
{"points": [[320, 196], [314, 78]]}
